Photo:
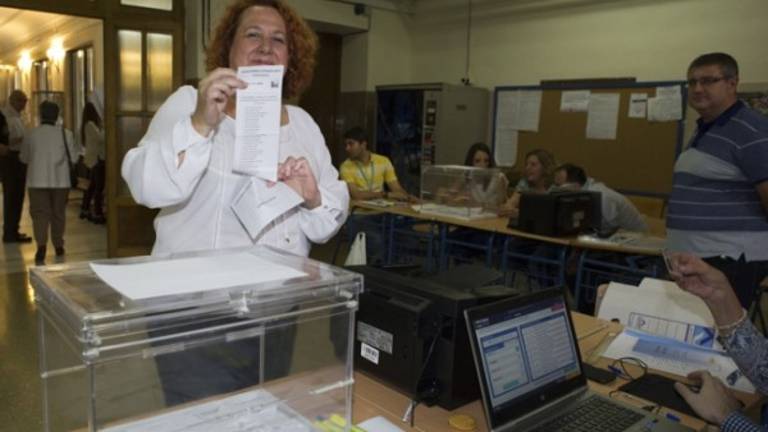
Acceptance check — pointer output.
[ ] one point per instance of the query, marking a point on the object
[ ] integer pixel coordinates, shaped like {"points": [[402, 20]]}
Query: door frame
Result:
{"points": [[117, 17]]}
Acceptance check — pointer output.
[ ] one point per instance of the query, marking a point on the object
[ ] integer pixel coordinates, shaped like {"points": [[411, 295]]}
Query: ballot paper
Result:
{"points": [[257, 126], [379, 424], [256, 410], [679, 359], [662, 309], [257, 204], [188, 275]]}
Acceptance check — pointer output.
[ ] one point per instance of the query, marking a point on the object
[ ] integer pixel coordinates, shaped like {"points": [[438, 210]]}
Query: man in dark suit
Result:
{"points": [[14, 172]]}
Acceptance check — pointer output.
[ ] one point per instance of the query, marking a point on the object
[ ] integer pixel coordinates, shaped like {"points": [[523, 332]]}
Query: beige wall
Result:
{"points": [[390, 59], [650, 40], [382, 55]]}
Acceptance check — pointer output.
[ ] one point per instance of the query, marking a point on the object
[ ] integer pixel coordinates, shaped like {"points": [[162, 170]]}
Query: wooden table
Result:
{"points": [[373, 398]]}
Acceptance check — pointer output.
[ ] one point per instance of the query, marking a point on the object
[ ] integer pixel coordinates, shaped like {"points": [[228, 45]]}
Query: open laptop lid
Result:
{"points": [[526, 354]]}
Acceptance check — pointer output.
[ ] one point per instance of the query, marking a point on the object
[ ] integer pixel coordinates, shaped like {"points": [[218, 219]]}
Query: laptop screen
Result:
{"points": [[526, 353]]}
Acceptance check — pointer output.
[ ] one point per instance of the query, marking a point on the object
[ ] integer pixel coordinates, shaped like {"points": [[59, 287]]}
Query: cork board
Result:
{"points": [[639, 161]]}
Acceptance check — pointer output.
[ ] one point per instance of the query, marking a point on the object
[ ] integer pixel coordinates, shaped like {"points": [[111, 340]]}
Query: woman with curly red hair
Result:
{"points": [[184, 166]]}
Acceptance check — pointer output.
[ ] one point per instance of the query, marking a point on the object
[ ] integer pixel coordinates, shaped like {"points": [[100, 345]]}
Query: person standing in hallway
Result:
{"points": [[14, 171], [92, 135], [49, 151], [718, 209]]}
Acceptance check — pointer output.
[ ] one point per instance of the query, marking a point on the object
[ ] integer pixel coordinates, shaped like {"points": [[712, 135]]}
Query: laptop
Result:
{"points": [[530, 374]]}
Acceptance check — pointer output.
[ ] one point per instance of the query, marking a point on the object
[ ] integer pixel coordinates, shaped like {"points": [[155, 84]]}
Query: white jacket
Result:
{"points": [[195, 197], [43, 152], [94, 144]]}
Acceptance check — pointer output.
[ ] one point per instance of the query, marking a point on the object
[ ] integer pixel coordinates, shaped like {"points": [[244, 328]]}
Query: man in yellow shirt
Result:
{"points": [[366, 173]]}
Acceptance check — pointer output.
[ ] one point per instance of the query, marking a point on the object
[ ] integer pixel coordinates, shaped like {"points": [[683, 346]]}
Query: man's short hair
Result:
{"points": [[356, 134], [573, 173], [49, 112], [727, 64]]}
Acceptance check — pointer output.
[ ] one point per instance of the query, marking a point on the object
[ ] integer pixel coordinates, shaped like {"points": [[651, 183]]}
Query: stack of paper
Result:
{"points": [[669, 329]]}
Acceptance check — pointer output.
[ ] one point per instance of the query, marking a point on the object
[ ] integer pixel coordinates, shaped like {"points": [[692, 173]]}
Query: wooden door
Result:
{"points": [[146, 66], [143, 60]]}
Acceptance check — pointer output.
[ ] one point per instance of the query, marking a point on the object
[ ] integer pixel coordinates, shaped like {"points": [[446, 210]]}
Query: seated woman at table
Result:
{"points": [[490, 191], [748, 348], [538, 177]]}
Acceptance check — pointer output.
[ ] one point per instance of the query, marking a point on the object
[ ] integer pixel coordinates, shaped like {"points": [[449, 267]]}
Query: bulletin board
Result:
{"points": [[638, 161]]}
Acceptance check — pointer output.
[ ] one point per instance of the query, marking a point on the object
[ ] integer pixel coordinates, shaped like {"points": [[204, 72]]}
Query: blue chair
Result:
{"points": [[412, 241], [541, 264], [464, 245], [600, 267]]}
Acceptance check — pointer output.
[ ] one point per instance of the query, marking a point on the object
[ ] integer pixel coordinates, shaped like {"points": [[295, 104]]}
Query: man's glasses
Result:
{"points": [[705, 81]]}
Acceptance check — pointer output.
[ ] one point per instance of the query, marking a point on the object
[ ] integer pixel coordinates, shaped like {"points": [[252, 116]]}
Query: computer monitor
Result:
{"points": [[561, 213], [411, 334]]}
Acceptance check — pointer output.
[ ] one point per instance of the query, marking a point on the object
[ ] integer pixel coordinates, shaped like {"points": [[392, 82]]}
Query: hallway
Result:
{"points": [[20, 407]]}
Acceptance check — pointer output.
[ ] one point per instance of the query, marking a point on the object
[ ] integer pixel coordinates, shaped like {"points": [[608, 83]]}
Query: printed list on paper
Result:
{"points": [[257, 127]]}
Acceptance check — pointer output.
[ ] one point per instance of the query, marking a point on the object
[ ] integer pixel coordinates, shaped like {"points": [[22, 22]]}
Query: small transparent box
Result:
{"points": [[271, 354], [462, 192]]}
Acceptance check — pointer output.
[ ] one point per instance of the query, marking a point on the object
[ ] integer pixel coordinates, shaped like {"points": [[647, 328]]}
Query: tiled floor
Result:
{"points": [[20, 408]]}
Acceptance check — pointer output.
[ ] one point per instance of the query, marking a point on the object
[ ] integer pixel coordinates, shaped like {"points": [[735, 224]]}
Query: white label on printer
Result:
{"points": [[369, 353], [374, 337]]}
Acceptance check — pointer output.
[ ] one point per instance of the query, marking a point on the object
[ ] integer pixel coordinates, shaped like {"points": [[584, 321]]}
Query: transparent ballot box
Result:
{"points": [[462, 192], [233, 340]]}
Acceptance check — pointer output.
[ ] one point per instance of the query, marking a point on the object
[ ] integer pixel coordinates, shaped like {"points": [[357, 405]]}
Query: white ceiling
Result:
{"points": [[20, 27]]}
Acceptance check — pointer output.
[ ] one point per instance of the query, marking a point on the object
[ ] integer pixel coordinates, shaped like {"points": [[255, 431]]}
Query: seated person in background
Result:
{"points": [[748, 348], [488, 191], [537, 177], [366, 172], [493, 191], [617, 211]]}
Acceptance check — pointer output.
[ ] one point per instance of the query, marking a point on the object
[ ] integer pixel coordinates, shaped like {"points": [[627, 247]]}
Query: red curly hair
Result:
{"points": [[302, 43]]}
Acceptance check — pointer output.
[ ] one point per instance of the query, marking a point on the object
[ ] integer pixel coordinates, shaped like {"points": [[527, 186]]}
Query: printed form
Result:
{"points": [[257, 126]]}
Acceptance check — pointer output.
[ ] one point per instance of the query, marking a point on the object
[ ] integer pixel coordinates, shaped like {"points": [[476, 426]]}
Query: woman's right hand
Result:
{"points": [[699, 278], [213, 96]]}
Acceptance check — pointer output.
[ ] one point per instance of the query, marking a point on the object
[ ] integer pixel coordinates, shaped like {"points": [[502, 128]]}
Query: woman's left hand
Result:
{"points": [[296, 173]]}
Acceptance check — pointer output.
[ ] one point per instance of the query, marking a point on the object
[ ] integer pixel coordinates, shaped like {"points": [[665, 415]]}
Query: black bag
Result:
{"points": [[72, 168]]}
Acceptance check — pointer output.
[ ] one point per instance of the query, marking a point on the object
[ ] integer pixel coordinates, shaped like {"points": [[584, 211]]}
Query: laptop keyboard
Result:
{"points": [[593, 415]]}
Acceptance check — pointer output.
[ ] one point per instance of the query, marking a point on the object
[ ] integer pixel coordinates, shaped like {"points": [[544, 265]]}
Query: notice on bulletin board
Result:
{"points": [[603, 116], [667, 105], [574, 100], [505, 148], [637, 105], [519, 110]]}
